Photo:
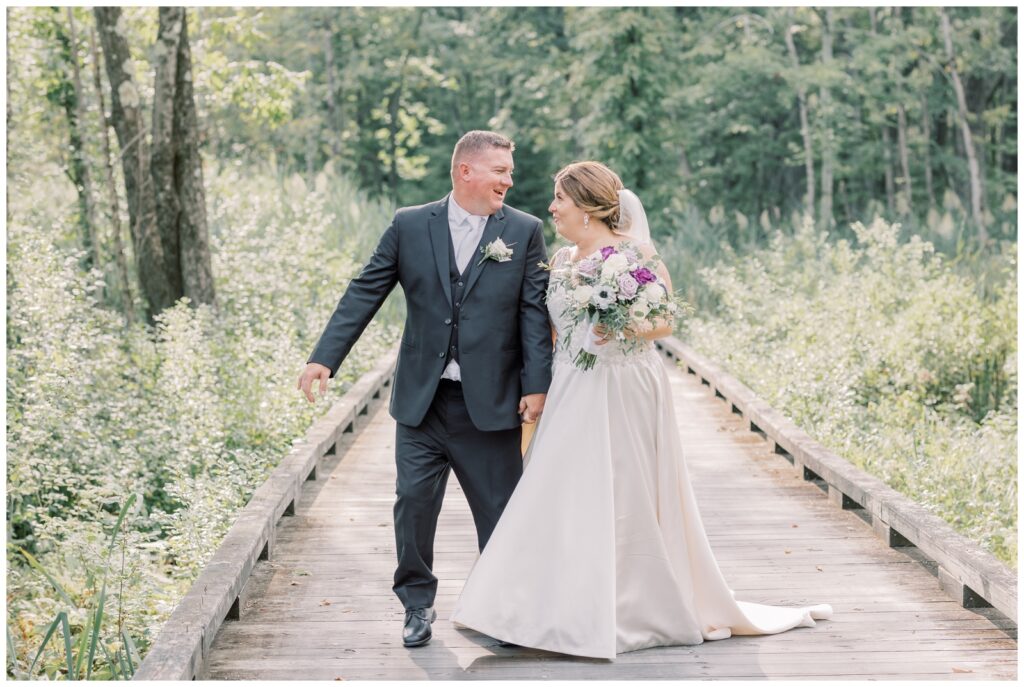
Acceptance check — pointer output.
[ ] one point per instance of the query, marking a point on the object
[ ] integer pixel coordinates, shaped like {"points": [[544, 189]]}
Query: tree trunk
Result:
{"points": [[633, 41], [333, 128], [845, 197], [393, 104], [685, 170], [176, 165], [460, 128], [890, 199], [127, 301], [10, 113], [890, 186], [901, 139], [126, 116], [905, 191], [162, 163], [311, 135], [828, 139], [805, 128], [965, 130], [92, 240], [367, 165], [193, 232], [68, 95], [926, 129]]}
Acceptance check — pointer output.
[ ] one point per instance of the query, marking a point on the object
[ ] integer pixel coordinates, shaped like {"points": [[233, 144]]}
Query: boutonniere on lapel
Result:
{"points": [[496, 250]]}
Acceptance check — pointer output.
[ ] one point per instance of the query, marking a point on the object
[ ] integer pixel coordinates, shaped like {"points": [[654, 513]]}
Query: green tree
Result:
{"points": [[625, 64]]}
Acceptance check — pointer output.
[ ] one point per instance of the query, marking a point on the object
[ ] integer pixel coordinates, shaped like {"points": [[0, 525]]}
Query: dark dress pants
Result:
{"points": [[487, 464]]}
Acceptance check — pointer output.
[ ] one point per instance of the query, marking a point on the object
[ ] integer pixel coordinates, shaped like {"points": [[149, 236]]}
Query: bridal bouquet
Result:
{"points": [[616, 288]]}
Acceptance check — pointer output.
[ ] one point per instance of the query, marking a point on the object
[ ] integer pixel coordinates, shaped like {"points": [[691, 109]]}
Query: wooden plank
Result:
{"points": [[359, 603], [361, 647], [333, 623]]}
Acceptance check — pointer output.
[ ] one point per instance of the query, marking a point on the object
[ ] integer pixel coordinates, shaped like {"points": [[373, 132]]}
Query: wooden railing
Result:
{"points": [[972, 576], [180, 650]]}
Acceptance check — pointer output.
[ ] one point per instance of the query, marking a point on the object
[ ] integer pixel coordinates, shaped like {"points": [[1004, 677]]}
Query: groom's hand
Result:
{"points": [[314, 371], [531, 406]]}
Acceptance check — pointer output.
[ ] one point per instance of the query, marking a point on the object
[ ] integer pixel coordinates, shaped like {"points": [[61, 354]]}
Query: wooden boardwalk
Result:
{"points": [[322, 607]]}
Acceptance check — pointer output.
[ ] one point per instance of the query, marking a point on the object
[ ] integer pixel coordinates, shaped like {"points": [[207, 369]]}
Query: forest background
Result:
{"points": [[188, 192]]}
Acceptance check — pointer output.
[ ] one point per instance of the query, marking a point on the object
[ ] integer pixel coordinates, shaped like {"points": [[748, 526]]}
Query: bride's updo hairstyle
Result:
{"points": [[594, 189]]}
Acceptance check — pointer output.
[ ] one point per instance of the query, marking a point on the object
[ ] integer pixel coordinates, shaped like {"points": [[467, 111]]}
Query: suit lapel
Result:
{"points": [[492, 230], [438, 228]]}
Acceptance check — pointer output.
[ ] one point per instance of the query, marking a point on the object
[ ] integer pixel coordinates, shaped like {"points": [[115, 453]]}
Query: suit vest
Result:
{"points": [[458, 283]]}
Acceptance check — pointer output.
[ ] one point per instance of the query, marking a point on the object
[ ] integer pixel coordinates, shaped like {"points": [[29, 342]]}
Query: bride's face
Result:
{"points": [[567, 216]]}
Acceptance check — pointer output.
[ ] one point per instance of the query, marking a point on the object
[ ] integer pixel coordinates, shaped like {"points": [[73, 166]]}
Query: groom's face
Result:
{"points": [[486, 178]]}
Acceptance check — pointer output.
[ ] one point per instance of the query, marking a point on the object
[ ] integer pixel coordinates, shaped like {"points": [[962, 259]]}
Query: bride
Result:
{"points": [[601, 549]]}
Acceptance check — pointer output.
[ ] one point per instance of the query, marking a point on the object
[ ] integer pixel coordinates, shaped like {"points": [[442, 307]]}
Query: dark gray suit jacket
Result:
{"points": [[504, 337]]}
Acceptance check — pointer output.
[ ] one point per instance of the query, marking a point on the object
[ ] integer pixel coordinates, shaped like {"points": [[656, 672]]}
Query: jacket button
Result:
{"points": [[447, 320], [460, 283], [440, 355]]}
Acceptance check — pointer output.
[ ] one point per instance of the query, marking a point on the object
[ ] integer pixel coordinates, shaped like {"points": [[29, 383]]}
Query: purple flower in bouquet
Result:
{"points": [[631, 255], [589, 267], [606, 251], [644, 275], [627, 285]]}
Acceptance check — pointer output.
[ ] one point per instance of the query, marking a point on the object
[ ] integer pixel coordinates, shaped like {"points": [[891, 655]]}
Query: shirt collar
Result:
{"points": [[458, 214]]}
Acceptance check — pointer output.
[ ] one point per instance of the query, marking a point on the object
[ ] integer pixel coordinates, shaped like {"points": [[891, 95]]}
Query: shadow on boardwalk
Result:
{"points": [[323, 607]]}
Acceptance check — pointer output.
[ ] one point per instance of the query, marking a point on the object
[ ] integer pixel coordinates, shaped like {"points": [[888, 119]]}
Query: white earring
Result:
{"points": [[586, 221]]}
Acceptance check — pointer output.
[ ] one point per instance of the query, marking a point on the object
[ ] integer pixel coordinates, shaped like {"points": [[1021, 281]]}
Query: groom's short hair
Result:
{"points": [[473, 142]]}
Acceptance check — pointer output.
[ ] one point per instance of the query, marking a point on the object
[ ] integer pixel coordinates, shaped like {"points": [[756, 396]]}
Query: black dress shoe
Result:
{"points": [[417, 626]]}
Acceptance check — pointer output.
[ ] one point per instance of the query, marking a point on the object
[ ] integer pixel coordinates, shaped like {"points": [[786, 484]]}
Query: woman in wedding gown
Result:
{"points": [[601, 549]]}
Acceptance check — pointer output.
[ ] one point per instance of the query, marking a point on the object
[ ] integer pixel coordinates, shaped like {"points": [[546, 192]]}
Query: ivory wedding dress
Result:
{"points": [[601, 549]]}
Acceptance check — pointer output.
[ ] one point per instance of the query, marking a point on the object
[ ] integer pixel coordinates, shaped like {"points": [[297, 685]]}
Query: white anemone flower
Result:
{"points": [[604, 295]]}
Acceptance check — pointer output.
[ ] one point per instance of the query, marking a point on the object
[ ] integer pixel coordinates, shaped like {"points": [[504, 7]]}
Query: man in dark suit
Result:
{"points": [[475, 359]]}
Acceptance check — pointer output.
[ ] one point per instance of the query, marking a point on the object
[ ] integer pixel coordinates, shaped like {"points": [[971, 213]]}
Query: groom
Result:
{"points": [[475, 359]]}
